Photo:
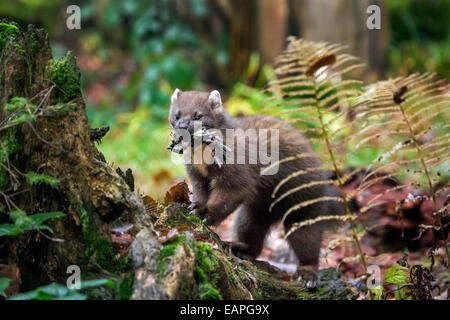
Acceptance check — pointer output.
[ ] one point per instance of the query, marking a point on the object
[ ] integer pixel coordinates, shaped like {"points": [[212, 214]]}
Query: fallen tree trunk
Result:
{"points": [[49, 163]]}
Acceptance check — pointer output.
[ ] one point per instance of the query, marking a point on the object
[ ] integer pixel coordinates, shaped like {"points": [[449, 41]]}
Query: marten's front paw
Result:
{"points": [[198, 210]]}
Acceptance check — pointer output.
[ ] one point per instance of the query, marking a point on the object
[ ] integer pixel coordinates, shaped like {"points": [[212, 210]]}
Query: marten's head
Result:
{"points": [[195, 106]]}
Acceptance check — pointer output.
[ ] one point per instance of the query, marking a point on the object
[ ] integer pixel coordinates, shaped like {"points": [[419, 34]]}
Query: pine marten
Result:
{"points": [[219, 190]]}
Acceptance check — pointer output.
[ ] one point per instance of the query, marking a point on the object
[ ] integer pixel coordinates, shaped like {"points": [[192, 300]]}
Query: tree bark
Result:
{"points": [[57, 144]]}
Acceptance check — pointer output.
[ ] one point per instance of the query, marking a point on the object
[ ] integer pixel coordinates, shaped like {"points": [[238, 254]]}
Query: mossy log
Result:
{"points": [[172, 256], [189, 261]]}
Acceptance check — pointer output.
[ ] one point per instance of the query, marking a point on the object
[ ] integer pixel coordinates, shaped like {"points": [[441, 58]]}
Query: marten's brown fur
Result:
{"points": [[220, 190]]}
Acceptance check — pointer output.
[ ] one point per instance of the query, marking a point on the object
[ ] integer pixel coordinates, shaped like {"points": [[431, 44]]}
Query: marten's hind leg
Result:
{"points": [[250, 232], [306, 242]]}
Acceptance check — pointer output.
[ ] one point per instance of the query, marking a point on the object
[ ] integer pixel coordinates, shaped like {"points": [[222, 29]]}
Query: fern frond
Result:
{"points": [[419, 99], [325, 67], [298, 188], [309, 222], [394, 124]]}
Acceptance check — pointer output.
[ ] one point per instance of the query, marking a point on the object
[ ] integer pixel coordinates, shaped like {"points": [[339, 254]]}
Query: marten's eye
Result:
{"points": [[177, 115], [198, 116]]}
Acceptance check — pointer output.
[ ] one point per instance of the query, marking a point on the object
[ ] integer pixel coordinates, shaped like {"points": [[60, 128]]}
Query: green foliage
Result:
{"points": [[100, 247], [417, 43], [4, 284], [55, 291], [9, 146], [397, 275], [166, 50], [19, 110], [194, 219], [66, 75], [23, 223], [246, 100], [208, 292], [168, 251], [106, 256], [85, 223], [205, 271], [18, 104], [377, 292], [36, 178], [124, 287], [7, 31], [104, 253]]}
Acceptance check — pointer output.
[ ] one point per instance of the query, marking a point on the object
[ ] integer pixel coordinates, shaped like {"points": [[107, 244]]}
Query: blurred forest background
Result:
{"points": [[134, 53]]}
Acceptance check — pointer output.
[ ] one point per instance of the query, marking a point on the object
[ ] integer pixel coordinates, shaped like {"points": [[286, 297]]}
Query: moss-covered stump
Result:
{"points": [[189, 261], [48, 163]]}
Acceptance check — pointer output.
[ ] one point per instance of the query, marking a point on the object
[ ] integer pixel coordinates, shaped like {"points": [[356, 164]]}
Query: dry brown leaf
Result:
{"points": [[152, 207], [178, 192]]}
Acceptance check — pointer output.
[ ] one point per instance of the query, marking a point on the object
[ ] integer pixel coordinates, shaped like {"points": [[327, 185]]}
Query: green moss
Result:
{"points": [[184, 289], [36, 178], [124, 288], [16, 104], [66, 75], [10, 145], [84, 220], [266, 288], [194, 219], [206, 271], [88, 233], [105, 255], [100, 247], [303, 295], [168, 251], [207, 292], [7, 31], [231, 274], [19, 110]]}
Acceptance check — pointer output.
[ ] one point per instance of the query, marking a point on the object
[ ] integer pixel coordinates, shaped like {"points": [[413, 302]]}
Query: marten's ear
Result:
{"points": [[175, 95], [215, 101]]}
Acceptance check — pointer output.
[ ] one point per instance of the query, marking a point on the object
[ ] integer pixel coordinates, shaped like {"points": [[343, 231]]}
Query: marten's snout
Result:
{"points": [[184, 124]]}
